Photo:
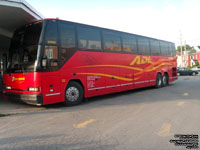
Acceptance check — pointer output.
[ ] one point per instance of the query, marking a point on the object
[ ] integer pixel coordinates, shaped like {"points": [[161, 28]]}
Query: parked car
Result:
{"points": [[185, 71], [196, 69]]}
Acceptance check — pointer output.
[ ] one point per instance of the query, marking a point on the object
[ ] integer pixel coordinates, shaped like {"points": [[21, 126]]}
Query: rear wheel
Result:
{"points": [[165, 80], [158, 81], [73, 94]]}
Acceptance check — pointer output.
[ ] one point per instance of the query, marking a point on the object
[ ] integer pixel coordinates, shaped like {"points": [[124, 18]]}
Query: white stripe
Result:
{"points": [[112, 86], [97, 88], [139, 82], [120, 85], [126, 84], [52, 94], [152, 80]]}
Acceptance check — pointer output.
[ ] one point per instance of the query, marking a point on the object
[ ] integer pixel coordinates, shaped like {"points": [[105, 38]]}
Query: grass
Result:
{"points": [[4, 115]]}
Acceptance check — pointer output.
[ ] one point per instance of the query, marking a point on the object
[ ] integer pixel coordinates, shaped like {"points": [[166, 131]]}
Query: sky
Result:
{"points": [[169, 20]]}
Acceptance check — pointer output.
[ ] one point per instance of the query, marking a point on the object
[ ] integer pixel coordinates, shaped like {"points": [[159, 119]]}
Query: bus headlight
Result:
{"points": [[34, 89], [8, 87]]}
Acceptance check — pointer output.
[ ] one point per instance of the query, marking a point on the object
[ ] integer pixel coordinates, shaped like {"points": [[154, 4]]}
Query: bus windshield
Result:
{"points": [[24, 48]]}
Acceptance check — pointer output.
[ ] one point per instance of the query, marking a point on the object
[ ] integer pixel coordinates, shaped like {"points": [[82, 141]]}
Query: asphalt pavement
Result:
{"points": [[143, 119]]}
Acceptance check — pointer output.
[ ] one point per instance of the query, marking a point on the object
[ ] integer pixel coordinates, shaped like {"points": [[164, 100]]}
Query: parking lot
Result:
{"points": [[133, 120]]}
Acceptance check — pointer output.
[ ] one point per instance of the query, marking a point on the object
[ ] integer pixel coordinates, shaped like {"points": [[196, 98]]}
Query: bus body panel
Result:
{"points": [[98, 74], [20, 82], [103, 75]]}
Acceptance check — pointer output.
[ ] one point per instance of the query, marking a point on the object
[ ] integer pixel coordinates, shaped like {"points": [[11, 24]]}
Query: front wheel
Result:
{"points": [[73, 94], [158, 81]]}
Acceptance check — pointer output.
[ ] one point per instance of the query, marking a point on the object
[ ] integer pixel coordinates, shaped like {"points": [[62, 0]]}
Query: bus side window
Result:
{"points": [[155, 47], [129, 44], [89, 38], [51, 33], [111, 41], [164, 48], [170, 49], [143, 46], [67, 40], [173, 49]]}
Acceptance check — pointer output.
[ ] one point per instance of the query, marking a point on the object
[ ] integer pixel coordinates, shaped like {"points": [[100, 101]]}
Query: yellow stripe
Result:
{"points": [[19, 79], [163, 64], [152, 69], [120, 66], [180, 103], [108, 75], [147, 69], [84, 124], [165, 130], [158, 62]]}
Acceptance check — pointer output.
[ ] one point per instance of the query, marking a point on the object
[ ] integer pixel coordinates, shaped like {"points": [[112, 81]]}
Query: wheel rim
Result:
{"points": [[164, 80], [159, 81], [193, 73], [72, 94]]}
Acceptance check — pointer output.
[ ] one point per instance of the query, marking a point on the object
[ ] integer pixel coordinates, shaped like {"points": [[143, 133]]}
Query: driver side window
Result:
{"points": [[51, 47], [51, 52]]}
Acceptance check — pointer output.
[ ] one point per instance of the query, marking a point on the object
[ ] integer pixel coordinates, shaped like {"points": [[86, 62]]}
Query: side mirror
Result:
{"points": [[44, 62], [5, 62]]}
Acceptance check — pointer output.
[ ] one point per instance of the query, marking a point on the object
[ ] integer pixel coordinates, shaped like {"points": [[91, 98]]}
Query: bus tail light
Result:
{"points": [[34, 89]]}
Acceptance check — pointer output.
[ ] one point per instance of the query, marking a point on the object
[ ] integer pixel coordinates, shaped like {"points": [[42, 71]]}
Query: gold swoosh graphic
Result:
{"points": [[128, 67], [152, 69], [147, 69], [119, 66], [163, 64], [108, 75], [158, 62]]}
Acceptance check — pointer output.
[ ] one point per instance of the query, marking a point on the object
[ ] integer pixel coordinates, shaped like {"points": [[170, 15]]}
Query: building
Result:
{"points": [[13, 14], [188, 60]]}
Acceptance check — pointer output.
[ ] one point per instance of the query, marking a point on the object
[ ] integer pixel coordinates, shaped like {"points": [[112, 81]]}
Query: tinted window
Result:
{"points": [[155, 47], [173, 49], [143, 46], [32, 34], [67, 40], [89, 38], [112, 41], [170, 49], [129, 44], [67, 35], [51, 32], [24, 48], [164, 48]]}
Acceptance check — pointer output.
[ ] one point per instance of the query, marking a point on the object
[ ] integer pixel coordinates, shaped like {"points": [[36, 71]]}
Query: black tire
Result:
{"points": [[158, 81], [73, 94], [193, 73], [165, 80]]}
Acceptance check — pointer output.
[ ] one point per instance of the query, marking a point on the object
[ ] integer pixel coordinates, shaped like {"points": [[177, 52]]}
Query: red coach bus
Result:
{"points": [[53, 61]]}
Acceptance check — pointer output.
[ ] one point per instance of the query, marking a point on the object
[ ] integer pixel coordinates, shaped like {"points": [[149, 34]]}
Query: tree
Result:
{"points": [[188, 48]]}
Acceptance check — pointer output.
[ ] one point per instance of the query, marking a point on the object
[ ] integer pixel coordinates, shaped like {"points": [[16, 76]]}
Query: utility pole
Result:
{"points": [[185, 54], [181, 49]]}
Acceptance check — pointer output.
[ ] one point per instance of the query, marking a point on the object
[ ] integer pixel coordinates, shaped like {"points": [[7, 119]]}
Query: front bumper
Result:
{"points": [[33, 99]]}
